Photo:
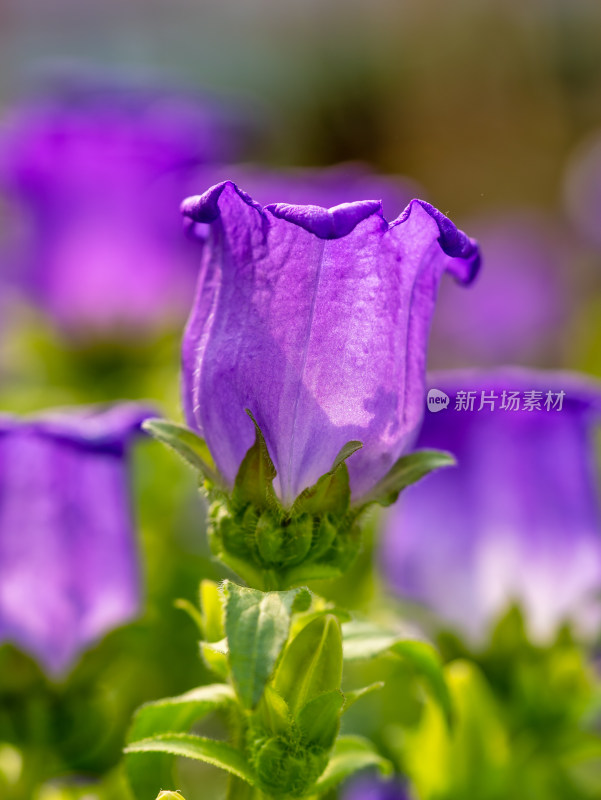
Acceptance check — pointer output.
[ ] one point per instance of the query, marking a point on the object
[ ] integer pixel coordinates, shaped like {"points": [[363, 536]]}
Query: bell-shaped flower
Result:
{"points": [[68, 565], [95, 172], [517, 521], [315, 320]]}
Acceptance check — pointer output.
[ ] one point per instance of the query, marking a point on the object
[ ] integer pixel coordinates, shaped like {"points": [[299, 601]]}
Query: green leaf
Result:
{"points": [[215, 660], [254, 481], [426, 661], [351, 754], [350, 698], [472, 760], [212, 611], [363, 640], [407, 470], [311, 664], [190, 609], [219, 754], [257, 625], [331, 493], [186, 444], [148, 774], [319, 719]]}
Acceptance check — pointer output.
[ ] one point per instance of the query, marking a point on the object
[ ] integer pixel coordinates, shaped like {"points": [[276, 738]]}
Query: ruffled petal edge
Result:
{"points": [[339, 221]]}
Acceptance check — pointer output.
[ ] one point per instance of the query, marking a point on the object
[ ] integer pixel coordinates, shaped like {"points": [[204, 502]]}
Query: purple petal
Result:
{"points": [[68, 566], [316, 320], [517, 521]]}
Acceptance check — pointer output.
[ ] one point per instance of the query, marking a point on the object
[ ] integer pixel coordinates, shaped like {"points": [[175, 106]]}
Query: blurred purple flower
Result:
{"points": [[317, 321], [371, 787], [517, 521], [518, 303], [100, 170], [68, 567]]}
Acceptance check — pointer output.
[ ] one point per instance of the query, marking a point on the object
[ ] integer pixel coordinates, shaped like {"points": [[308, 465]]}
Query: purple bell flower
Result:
{"points": [[517, 521], [68, 566], [315, 320], [98, 172]]}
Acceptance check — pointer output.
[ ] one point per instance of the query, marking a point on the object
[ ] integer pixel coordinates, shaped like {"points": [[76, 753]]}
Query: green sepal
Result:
{"points": [[218, 754], [254, 481], [310, 571], [407, 470], [350, 754], [311, 664], [257, 626], [187, 445], [331, 493], [283, 545], [147, 774], [319, 719], [273, 712]]}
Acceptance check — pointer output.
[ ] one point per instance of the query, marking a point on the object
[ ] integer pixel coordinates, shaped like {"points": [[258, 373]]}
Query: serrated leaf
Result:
{"points": [[186, 444], [218, 754], [351, 754], [407, 470], [319, 719], [350, 698], [147, 774], [427, 663], [331, 493], [311, 664], [257, 626], [254, 481]]}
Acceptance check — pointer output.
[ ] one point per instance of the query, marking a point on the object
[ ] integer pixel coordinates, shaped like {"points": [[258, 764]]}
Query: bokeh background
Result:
{"points": [[490, 109]]}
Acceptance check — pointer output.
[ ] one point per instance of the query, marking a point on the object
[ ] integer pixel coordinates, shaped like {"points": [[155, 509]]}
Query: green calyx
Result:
{"points": [[271, 546]]}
